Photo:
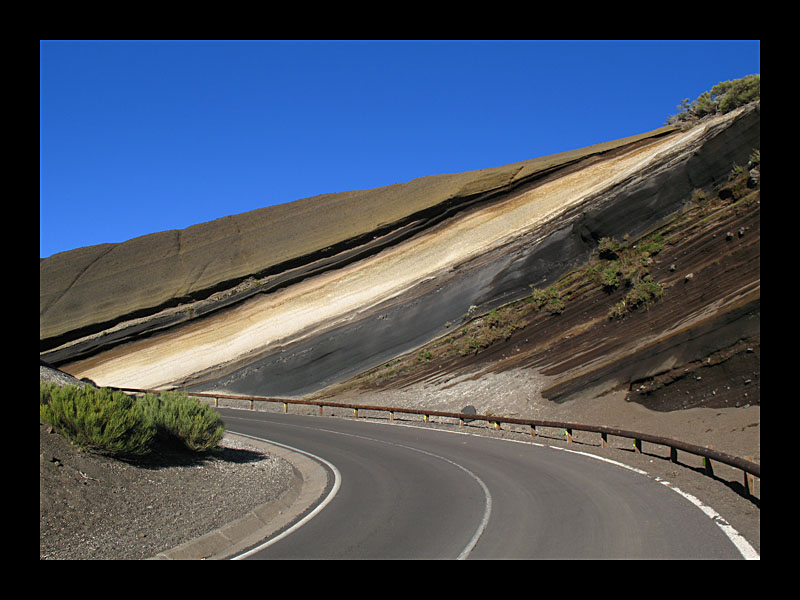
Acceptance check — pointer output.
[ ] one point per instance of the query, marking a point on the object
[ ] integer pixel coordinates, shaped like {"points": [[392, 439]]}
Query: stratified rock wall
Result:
{"points": [[87, 290], [474, 241], [539, 256]]}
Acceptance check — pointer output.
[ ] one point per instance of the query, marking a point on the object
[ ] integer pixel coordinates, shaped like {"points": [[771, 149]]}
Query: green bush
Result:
{"points": [[100, 420], [643, 293], [652, 245], [609, 278], [184, 421], [722, 98], [548, 299], [114, 423], [608, 248], [731, 95]]}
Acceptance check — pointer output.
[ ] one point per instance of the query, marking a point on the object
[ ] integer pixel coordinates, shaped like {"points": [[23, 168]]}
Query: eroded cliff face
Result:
{"points": [[298, 325]]}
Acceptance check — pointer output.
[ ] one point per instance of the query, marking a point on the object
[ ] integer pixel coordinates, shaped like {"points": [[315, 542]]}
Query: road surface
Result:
{"points": [[408, 492]]}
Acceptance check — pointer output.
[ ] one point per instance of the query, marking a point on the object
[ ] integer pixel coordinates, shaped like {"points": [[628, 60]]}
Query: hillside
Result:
{"points": [[91, 289], [702, 318], [450, 288], [616, 284]]}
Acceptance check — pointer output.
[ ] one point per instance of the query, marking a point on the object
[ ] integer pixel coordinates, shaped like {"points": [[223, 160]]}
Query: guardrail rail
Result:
{"points": [[750, 469]]}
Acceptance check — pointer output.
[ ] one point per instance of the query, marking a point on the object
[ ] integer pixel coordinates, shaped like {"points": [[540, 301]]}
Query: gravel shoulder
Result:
{"points": [[96, 507]]}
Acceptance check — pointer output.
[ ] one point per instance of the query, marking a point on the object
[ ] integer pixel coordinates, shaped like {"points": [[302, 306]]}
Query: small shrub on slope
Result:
{"points": [[100, 420], [184, 421]]}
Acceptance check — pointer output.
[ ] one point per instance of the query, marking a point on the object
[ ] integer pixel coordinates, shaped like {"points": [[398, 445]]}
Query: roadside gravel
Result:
{"points": [[97, 507]]}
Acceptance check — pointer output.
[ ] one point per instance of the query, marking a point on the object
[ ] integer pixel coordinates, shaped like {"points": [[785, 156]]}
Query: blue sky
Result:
{"points": [[143, 136]]}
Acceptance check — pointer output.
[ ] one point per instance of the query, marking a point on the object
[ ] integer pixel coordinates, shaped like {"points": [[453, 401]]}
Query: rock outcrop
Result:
{"points": [[91, 289], [289, 300]]}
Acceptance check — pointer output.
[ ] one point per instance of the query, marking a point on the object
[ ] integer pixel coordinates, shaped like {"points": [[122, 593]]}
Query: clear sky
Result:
{"points": [[137, 137]]}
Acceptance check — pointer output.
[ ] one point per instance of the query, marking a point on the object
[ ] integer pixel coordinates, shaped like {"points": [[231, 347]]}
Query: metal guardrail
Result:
{"points": [[749, 468]]}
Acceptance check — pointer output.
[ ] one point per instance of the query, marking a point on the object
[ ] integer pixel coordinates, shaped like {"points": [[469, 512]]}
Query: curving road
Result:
{"points": [[400, 492]]}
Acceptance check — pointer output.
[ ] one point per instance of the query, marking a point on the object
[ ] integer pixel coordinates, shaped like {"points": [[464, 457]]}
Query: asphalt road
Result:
{"points": [[403, 492]]}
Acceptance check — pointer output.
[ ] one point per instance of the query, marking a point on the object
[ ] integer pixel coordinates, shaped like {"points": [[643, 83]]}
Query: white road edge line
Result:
{"points": [[742, 545], [464, 553], [337, 482]]}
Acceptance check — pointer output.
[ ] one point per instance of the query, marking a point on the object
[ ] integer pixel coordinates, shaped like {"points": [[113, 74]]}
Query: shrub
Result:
{"points": [[608, 248], [114, 423], [643, 293], [100, 420], [609, 278], [731, 95], [699, 196], [722, 98], [652, 245], [755, 158], [548, 299], [184, 421]]}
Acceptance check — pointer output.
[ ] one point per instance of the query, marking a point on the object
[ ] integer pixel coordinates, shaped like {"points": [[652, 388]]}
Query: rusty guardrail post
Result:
{"points": [[707, 464], [749, 480]]}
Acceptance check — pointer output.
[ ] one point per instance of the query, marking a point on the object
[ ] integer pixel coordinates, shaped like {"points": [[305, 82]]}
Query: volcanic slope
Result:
{"points": [[348, 307]]}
